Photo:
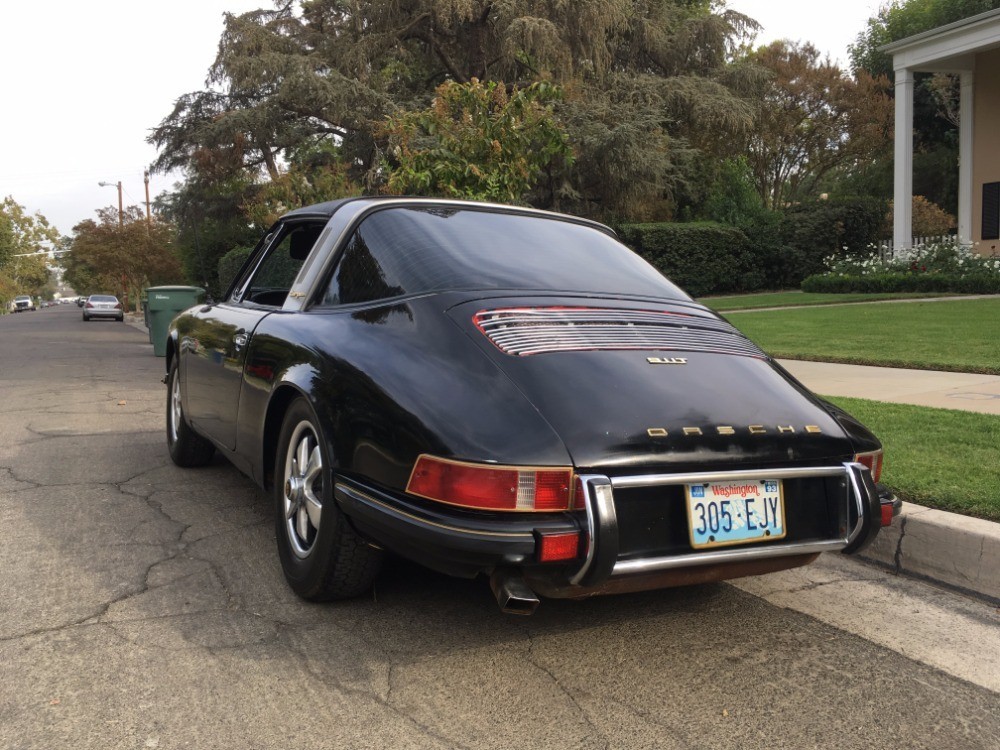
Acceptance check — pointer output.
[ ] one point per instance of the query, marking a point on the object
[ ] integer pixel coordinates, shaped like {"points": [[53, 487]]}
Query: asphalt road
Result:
{"points": [[143, 606]]}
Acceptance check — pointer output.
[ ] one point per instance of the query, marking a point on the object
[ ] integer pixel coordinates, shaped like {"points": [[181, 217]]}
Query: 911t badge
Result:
{"points": [[667, 360]]}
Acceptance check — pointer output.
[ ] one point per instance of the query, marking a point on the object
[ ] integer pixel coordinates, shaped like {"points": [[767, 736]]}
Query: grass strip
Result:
{"points": [[803, 299], [941, 458], [958, 336]]}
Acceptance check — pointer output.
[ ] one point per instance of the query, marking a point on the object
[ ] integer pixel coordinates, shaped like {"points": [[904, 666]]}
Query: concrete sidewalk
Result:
{"points": [[946, 548], [944, 390]]}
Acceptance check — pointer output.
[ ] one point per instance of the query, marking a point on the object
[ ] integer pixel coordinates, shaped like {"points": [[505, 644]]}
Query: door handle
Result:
{"points": [[240, 340]]}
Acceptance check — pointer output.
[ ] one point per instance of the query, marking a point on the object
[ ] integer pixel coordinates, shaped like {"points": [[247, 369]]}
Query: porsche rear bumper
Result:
{"points": [[468, 543]]}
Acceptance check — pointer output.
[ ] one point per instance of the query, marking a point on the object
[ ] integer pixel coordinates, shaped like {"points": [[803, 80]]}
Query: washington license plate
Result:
{"points": [[725, 513]]}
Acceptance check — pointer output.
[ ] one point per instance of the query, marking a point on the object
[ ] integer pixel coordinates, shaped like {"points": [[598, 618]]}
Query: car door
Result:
{"points": [[215, 339]]}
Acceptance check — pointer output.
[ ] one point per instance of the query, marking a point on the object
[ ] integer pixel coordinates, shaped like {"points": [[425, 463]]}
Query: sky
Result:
{"points": [[83, 83]]}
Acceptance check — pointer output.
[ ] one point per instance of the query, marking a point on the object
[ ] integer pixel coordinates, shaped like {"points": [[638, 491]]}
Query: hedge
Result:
{"points": [[230, 264], [701, 257], [974, 283]]}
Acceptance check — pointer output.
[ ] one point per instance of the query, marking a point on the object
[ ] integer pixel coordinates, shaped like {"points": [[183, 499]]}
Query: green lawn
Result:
{"points": [[801, 299], [941, 458], [960, 335]]}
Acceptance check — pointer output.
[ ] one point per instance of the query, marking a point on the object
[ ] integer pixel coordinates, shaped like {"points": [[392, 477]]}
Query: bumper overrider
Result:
{"points": [[509, 546]]}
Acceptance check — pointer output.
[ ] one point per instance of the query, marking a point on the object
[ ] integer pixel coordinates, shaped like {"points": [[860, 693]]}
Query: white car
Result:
{"points": [[23, 302], [103, 306]]}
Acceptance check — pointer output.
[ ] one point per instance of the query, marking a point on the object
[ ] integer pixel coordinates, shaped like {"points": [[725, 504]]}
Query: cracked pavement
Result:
{"points": [[142, 605]]}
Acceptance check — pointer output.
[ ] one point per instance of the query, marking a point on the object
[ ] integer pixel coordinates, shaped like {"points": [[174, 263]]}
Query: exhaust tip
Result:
{"points": [[513, 595]]}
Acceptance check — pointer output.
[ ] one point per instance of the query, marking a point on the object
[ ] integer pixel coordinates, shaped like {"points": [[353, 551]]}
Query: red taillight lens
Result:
{"points": [[88, 305], [579, 495], [118, 306], [873, 461], [516, 488], [887, 514], [555, 547]]}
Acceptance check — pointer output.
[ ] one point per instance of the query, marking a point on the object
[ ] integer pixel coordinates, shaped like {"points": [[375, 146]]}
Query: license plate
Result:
{"points": [[725, 513]]}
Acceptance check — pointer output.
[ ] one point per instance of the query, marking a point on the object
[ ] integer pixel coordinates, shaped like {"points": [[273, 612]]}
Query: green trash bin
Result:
{"points": [[165, 303]]}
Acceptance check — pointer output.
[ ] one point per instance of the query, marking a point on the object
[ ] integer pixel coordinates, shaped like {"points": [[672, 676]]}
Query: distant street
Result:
{"points": [[143, 606]]}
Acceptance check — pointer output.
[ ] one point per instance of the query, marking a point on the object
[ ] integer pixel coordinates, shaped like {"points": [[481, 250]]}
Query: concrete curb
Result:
{"points": [[957, 551]]}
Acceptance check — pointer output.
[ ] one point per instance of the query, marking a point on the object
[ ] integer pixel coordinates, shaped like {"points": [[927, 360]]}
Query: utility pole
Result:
{"points": [[145, 178], [121, 208]]}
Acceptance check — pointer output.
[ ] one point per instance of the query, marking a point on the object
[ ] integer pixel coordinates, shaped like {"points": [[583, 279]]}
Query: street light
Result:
{"points": [[121, 211]]}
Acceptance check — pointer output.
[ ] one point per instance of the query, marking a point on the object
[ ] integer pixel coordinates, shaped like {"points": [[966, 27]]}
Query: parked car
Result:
{"points": [[493, 390], [103, 306], [22, 303]]}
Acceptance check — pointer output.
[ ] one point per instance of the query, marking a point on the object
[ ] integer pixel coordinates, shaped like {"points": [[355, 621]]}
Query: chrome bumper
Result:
{"points": [[601, 561]]}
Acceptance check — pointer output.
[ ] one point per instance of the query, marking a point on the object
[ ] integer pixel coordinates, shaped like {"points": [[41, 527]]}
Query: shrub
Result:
{"points": [[818, 230], [932, 267], [230, 264], [702, 258]]}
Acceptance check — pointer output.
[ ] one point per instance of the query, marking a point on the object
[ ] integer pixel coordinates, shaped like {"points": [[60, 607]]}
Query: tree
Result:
{"points": [[24, 240], [107, 257], [476, 141], [813, 119], [648, 84]]}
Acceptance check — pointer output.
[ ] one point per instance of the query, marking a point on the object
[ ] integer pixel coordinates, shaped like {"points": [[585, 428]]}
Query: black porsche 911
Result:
{"points": [[485, 389]]}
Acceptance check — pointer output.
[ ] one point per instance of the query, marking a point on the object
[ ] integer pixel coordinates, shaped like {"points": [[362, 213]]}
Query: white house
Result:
{"points": [[969, 48]]}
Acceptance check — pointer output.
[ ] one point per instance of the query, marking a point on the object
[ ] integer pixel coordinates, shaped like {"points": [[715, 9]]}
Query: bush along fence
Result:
{"points": [[770, 251], [943, 266]]}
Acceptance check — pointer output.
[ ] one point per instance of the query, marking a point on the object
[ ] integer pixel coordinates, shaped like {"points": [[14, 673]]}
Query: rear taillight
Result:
{"points": [[89, 305], [488, 487], [873, 461], [118, 306]]}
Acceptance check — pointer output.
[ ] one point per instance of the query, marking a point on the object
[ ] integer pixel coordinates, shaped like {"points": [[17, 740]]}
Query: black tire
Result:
{"points": [[331, 561], [187, 448], [86, 318], [121, 319]]}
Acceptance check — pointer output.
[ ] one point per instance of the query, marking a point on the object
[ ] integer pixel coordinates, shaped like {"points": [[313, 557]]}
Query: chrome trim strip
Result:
{"points": [[651, 480], [626, 567], [852, 469], [597, 506], [364, 497]]}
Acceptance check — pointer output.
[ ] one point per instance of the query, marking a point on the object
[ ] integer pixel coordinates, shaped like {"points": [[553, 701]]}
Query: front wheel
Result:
{"points": [[322, 556], [187, 448]]}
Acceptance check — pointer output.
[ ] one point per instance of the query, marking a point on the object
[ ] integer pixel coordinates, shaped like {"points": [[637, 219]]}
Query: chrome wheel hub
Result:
{"points": [[303, 489]]}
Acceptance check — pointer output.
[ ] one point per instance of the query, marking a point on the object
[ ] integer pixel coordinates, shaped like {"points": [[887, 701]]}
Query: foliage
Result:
{"points": [[946, 335], [476, 141], [700, 257], [106, 257], [23, 237], [733, 198], [898, 20], [210, 220], [649, 88], [831, 227], [813, 119], [929, 219], [231, 263], [316, 173]]}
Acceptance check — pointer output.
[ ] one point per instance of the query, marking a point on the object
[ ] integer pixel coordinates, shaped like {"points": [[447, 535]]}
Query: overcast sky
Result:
{"points": [[84, 82]]}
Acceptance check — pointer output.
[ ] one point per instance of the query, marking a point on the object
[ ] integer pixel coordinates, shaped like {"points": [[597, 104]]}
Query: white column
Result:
{"points": [[965, 132], [902, 219]]}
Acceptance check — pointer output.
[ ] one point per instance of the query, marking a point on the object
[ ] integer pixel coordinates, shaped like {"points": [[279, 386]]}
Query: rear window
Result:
{"points": [[401, 251], [102, 298]]}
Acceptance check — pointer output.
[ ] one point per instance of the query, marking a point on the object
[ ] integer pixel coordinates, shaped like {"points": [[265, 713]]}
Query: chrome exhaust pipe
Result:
{"points": [[513, 595]]}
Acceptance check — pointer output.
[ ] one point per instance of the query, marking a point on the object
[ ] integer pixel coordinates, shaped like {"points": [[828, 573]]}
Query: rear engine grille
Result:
{"points": [[539, 330]]}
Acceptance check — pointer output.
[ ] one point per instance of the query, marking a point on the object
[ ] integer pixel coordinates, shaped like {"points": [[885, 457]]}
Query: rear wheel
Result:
{"points": [[321, 554], [187, 447], [86, 317]]}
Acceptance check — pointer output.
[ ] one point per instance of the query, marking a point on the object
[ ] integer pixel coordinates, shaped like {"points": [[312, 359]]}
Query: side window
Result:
{"points": [[359, 276], [272, 279]]}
